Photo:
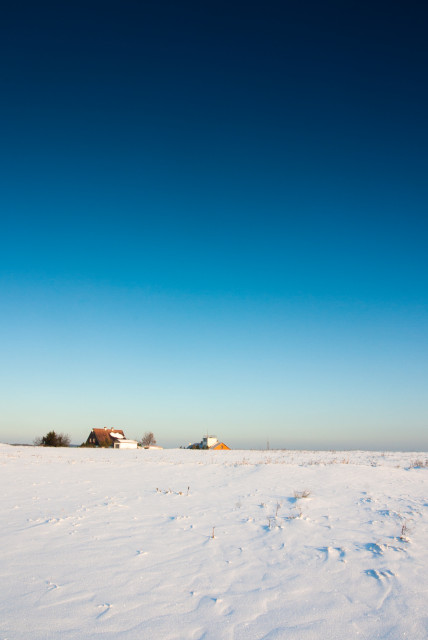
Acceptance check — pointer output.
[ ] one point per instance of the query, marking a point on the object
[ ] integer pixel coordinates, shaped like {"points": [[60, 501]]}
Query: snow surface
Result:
{"points": [[119, 544]]}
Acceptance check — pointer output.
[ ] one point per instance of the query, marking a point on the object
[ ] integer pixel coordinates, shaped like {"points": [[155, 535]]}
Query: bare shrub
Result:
{"points": [[404, 532], [418, 464], [302, 494], [294, 515]]}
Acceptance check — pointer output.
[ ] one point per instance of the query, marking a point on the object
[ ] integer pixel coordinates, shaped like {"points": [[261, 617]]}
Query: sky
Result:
{"points": [[214, 219]]}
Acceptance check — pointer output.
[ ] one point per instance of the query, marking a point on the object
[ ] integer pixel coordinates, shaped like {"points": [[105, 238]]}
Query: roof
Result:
{"points": [[105, 437], [219, 445]]}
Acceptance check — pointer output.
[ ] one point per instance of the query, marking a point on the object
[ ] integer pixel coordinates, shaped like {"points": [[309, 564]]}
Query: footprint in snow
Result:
{"points": [[375, 548], [383, 579], [333, 553], [385, 574], [208, 603]]}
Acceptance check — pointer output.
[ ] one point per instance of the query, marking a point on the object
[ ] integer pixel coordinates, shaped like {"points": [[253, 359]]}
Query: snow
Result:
{"points": [[182, 544]]}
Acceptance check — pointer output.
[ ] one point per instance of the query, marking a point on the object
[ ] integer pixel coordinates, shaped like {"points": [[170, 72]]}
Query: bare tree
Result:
{"points": [[148, 439]]}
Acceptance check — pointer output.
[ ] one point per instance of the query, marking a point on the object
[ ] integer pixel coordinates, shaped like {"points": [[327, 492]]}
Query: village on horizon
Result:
{"points": [[116, 439]]}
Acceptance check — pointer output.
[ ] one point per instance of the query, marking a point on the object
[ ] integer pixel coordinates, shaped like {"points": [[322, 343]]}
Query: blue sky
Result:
{"points": [[214, 219]]}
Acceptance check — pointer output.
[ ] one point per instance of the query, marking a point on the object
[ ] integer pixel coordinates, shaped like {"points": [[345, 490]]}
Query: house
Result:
{"points": [[104, 437], [209, 442]]}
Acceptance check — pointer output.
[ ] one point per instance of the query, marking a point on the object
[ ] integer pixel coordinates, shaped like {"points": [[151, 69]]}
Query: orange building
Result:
{"points": [[220, 445], [209, 442]]}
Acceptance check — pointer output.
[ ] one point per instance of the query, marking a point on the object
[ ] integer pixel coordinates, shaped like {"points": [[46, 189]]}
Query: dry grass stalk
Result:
{"points": [[302, 494]]}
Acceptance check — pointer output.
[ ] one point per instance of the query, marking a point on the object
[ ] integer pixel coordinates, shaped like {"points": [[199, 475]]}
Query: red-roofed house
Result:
{"points": [[104, 437]]}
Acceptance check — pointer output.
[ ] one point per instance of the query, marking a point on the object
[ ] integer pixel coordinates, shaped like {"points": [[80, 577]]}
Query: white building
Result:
{"points": [[120, 442], [123, 443], [208, 441]]}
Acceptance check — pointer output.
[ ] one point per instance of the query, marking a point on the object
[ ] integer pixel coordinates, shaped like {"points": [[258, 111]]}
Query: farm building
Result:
{"points": [[123, 443], [209, 442], [104, 437], [218, 446]]}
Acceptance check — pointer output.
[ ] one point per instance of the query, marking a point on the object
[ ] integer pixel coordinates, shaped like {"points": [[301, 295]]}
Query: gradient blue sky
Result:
{"points": [[214, 218]]}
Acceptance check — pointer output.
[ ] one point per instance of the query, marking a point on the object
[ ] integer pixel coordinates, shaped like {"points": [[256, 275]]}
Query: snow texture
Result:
{"points": [[213, 545]]}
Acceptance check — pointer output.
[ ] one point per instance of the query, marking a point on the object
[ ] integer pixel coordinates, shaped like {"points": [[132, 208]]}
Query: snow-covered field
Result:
{"points": [[180, 544]]}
